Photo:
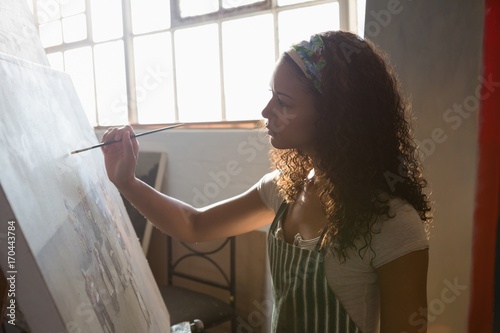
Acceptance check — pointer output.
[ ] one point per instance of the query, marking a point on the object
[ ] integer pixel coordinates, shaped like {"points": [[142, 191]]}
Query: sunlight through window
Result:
{"points": [[248, 64], [150, 15], [106, 19], [197, 7], [110, 83], [74, 28], [154, 78], [72, 7], [326, 17], [78, 64], [198, 73]]}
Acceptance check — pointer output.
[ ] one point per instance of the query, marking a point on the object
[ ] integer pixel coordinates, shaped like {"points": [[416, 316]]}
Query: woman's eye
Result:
{"points": [[280, 102]]}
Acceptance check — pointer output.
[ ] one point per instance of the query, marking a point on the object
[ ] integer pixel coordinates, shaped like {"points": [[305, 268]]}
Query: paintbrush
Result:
{"points": [[133, 136]]}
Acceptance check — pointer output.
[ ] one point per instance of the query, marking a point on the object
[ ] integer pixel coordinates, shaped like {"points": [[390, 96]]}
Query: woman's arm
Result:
{"points": [[403, 293], [231, 217]]}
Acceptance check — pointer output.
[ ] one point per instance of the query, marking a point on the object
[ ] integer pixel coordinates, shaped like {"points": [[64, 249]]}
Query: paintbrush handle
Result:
{"points": [[133, 136]]}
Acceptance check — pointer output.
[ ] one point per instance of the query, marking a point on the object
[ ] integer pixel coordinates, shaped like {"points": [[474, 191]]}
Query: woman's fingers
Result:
{"points": [[109, 132], [128, 153], [108, 136], [116, 134]]}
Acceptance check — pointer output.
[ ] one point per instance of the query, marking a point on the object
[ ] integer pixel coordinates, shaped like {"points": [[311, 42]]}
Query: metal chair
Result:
{"points": [[189, 303]]}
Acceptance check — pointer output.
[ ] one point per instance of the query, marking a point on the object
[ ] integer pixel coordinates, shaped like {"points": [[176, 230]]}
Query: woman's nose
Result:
{"points": [[266, 112]]}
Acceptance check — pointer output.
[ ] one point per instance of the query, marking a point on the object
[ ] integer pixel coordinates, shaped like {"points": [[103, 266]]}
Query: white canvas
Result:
{"points": [[72, 218]]}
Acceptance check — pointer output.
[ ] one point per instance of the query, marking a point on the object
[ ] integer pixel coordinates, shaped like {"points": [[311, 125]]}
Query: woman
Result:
{"points": [[348, 247]]}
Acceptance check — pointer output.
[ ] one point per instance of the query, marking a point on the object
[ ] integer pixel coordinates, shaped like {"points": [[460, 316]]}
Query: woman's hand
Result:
{"points": [[120, 158]]}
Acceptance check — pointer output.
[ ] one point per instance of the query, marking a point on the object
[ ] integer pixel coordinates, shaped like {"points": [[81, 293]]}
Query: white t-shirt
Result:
{"points": [[354, 281]]}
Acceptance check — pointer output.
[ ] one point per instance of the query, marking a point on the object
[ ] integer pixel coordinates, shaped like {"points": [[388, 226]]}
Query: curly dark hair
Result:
{"points": [[366, 153]]}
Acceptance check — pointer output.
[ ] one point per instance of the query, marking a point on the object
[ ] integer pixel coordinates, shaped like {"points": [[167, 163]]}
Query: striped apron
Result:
{"points": [[303, 301]]}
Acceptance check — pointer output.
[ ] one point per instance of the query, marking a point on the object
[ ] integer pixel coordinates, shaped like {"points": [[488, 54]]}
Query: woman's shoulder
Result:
{"points": [[399, 233], [268, 190], [399, 205], [270, 176]]}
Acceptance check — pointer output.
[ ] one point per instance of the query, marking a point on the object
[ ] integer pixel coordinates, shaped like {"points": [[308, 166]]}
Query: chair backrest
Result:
{"points": [[206, 264]]}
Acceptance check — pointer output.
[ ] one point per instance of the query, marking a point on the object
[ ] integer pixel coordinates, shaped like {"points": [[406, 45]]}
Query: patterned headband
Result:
{"points": [[308, 56]]}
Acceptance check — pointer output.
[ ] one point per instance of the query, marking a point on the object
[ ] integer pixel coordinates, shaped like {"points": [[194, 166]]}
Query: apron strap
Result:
{"points": [[279, 214]]}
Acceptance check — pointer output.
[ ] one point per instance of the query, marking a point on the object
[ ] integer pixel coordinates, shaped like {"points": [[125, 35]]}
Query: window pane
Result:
{"points": [[110, 83], [312, 20], [197, 7], [246, 72], [47, 10], [291, 2], [198, 73], [74, 28], [78, 64], [72, 7], [56, 61], [106, 19], [154, 79], [238, 3], [50, 33], [150, 15], [361, 8]]}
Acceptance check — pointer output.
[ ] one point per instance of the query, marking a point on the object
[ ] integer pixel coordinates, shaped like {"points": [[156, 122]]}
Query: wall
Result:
{"points": [[435, 47], [205, 166]]}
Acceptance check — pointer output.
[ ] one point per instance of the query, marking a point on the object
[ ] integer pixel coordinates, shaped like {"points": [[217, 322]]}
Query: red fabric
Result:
{"points": [[488, 180]]}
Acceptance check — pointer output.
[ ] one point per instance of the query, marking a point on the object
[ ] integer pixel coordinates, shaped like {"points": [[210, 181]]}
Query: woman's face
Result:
{"points": [[290, 113]]}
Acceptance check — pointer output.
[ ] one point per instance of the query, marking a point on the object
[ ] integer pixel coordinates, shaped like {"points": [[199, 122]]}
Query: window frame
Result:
{"points": [[347, 20]]}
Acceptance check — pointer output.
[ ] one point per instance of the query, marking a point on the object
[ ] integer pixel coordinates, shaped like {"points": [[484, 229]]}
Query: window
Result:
{"points": [[159, 61]]}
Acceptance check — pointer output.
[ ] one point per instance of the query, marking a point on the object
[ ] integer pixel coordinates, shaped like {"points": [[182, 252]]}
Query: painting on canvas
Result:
{"points": [[70, 215]]}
